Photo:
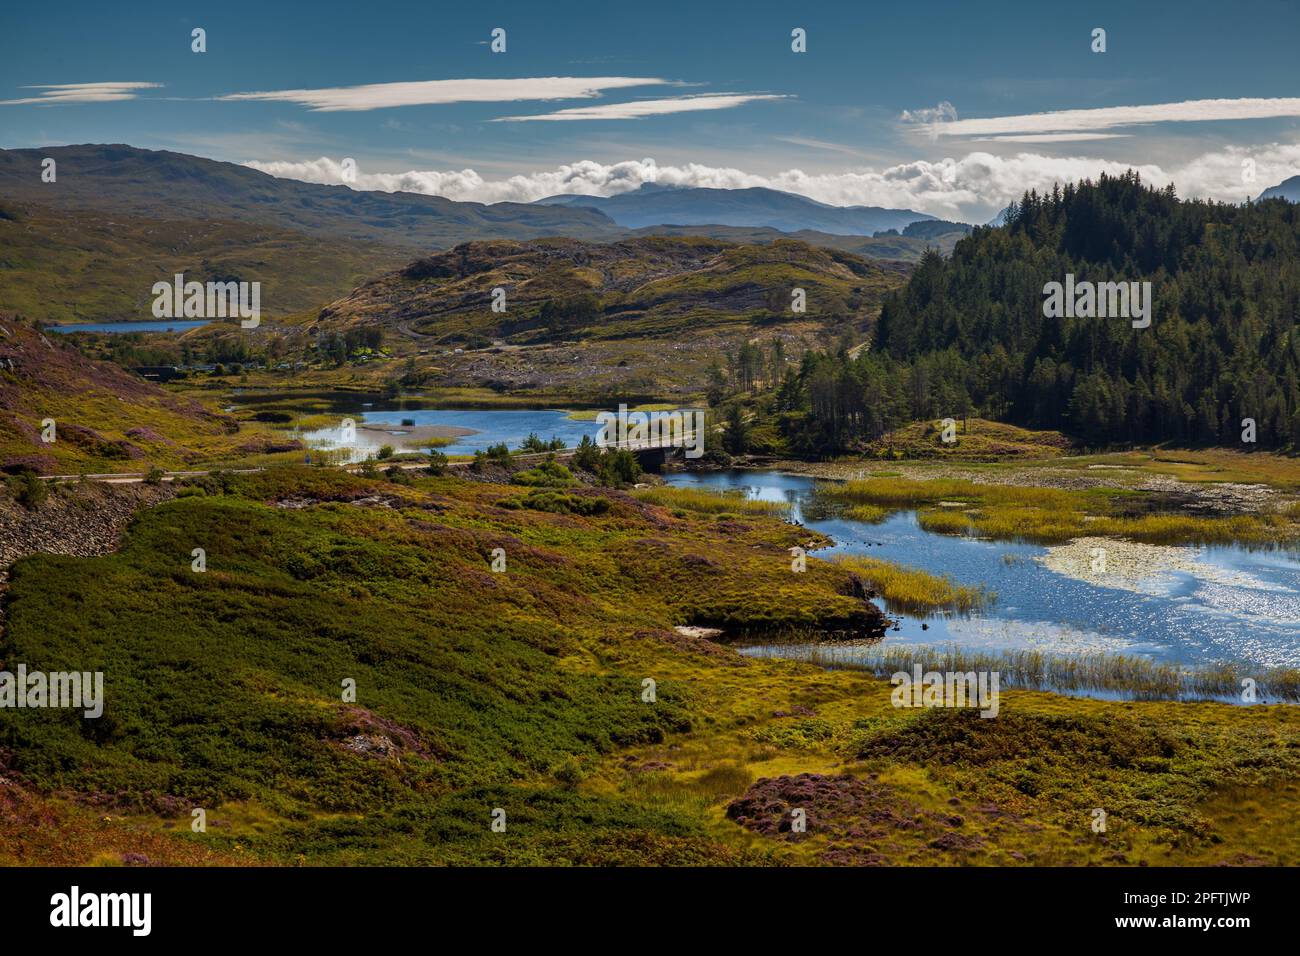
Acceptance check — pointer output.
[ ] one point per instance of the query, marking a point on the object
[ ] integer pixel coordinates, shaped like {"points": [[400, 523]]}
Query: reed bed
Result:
{"points": [[709, 501], [1133, 677], [911, 589], [1052, 515], [867, 514]]}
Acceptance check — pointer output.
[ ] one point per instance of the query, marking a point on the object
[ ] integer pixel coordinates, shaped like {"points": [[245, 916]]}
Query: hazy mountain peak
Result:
{"points": [[755, 206], [1287, 189]]}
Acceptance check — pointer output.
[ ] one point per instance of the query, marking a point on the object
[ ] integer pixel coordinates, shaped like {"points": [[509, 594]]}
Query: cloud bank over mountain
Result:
{"points": [[971, 188]]}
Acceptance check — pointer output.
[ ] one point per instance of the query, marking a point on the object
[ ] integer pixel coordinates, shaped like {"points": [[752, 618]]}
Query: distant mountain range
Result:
{"points": [[889, 245], [1287, 189], [654, 204], [164, 185]]}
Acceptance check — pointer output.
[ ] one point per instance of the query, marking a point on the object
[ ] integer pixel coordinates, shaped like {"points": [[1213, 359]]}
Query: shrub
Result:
{"points": [[559, 503], [29, 490], [398, 475], [549, 474], [587, 455], [618, 467]]}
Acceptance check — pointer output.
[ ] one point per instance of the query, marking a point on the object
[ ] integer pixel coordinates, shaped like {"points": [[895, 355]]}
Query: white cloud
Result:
{"points": [[375, 96], [81, 93], [945, 112], [971, 188], [1109, 117], [930, 119], [1050, 137], [638, 109]]}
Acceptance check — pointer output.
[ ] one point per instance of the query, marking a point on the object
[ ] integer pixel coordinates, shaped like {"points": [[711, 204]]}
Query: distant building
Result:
{"points": [[158, 373]]}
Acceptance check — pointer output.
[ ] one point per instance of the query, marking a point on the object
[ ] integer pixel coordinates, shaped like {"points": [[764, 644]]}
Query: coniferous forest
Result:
{"points": [[967, 334]]}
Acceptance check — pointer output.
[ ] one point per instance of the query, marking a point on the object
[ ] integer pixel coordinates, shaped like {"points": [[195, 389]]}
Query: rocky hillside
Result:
{"points": [[639, 319], [565, 289]]}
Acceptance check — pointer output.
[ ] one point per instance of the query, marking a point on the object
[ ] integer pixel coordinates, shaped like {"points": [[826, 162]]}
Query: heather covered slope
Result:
{"points": [[523, 690], [90, 245], [105, 418], [474, 689]]}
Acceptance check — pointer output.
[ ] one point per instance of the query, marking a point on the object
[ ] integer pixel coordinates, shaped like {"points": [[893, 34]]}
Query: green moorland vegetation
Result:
{"points": [[707, 501], [1201, 466], [523, 690], [906, 588], [889, 245]]}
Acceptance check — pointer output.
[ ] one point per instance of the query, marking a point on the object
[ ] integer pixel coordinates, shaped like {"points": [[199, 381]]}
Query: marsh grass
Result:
{"points": [[710, 502], [867, 514], [1055, 515], [911, 589], [692, 794], [1131, 677]]}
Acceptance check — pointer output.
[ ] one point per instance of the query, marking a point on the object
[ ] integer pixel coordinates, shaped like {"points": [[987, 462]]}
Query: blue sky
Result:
{"points": [[931, 105]]}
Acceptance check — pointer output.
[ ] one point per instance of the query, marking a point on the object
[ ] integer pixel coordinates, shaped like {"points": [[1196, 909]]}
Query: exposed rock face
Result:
{"points": [[370, 744], [370, 735]]}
